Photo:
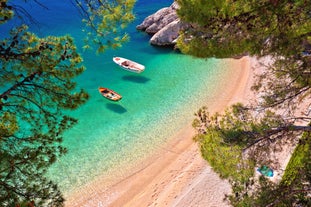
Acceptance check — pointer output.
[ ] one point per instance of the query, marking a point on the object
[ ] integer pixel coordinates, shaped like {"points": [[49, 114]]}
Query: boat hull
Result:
{"points": [[109, 94], [129, 65]]}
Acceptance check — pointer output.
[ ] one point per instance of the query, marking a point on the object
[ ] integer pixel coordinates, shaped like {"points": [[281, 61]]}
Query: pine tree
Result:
{"points": [[36, 87], [282, 31], [105, 22]]}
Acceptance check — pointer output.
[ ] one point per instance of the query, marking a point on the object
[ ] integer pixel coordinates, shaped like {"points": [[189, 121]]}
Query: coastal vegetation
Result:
{"points": [[37, 86], [105, 22], [241, 138]]}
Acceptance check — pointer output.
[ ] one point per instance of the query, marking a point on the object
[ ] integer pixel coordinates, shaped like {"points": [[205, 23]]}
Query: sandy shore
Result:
{"points": [[176, 176]]}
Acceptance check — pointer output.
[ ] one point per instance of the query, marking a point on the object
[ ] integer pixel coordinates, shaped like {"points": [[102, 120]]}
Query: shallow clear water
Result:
{"points": [[156, 104]]}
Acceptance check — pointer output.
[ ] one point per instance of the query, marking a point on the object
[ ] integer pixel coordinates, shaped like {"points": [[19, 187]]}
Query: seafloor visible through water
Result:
{"points": [[156, 104]]}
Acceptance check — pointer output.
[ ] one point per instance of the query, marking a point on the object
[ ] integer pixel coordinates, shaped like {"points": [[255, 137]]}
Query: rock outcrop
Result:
{"points": [[164, 25], [168, 35]]}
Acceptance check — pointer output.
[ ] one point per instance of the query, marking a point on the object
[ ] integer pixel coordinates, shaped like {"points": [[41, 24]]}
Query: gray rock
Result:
{"points": [[158, 20], [157, 26], [164, 25], [154, 18], [167, 35]]}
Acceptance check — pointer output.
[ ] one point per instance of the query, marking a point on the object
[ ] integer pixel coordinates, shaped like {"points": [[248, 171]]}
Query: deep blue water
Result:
{"points": [[156, 104]]}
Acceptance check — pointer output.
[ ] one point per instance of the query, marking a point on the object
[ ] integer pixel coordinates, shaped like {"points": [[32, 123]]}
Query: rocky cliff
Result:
{"points": [[164, 26]]}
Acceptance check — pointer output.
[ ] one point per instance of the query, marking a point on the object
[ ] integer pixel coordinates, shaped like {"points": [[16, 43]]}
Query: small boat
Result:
{"points": [[109, 94], [129, 64]]}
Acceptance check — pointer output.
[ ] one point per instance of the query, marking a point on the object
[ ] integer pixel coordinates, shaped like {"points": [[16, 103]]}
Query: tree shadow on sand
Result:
{"points": [[117, 108], [136, 79]]}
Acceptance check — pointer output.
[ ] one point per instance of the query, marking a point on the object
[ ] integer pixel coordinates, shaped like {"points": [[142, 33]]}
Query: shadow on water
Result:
{"points": [[116, 108], [154, 50], [135, 79]]}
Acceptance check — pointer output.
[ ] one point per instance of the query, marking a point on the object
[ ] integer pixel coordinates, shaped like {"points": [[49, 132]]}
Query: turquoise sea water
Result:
{"points": [[156, 104]]}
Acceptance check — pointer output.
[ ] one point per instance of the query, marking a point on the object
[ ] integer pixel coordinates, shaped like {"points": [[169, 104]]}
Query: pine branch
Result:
{"points": [[288, 98], [273, 131], [16, 85]]}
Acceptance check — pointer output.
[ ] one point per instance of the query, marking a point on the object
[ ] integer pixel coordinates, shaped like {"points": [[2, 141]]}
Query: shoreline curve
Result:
{"points": [[177, 175]]}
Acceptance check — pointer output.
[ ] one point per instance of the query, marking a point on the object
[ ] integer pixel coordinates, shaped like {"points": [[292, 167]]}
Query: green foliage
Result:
{"points": [[227, 28], [259, 197], [226, 159], [224, 141], [8, 124], [294, 188], [105, 22], [282, 31], [279, 29], [223, 138], [6, 12], [237, 125], [299, 162], [36, 86]]}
